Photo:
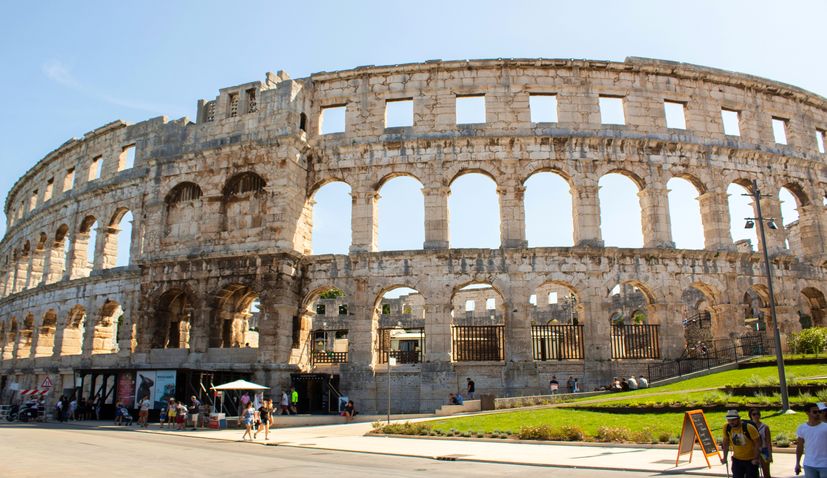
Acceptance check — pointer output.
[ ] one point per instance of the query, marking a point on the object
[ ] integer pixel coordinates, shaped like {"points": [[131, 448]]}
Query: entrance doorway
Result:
{"points": [[318, 392]]}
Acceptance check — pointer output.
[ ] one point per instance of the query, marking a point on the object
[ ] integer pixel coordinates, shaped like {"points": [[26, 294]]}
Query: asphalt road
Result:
{"points": [[68, 451]]}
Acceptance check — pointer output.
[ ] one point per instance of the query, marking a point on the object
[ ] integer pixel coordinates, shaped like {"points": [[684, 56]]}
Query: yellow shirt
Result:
{"points": [[743, 441]]}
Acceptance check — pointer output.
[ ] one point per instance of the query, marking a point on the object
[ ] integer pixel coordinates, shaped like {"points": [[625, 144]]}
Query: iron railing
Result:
{"points": [[635, 342], [401, 356], [720, 352], [557, 342], [478, 342]]}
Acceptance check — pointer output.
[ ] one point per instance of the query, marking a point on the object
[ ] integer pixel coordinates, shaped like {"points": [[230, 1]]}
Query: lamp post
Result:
{"points": [[779, 357]]}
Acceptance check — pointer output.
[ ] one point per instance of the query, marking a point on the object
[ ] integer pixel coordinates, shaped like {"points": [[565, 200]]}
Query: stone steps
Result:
{"points": [[466, 407]]}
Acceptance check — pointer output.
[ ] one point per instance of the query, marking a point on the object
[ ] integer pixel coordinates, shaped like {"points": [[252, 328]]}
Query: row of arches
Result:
{"points": [[70, 253], [32, 338]]}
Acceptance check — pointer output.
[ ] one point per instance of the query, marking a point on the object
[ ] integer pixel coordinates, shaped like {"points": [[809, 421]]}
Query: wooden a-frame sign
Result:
{"points": [[696, 429]]}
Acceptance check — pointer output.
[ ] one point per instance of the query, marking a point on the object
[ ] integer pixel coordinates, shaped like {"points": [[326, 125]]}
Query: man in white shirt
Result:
{"points": [[812, 443], [143, 411]]}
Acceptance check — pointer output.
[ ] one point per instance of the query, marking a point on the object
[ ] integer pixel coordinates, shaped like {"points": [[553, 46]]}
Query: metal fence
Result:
{"points": [[720, 352], [557, 342], [635, 342], [322, 356], [386, 349], [477, 342]]}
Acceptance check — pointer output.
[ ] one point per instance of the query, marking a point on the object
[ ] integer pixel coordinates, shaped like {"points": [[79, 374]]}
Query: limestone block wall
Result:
{"points": [[223, 223]]}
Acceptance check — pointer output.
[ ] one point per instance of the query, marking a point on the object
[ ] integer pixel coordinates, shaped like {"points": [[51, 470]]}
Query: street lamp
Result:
{"points": [[779, 357]]}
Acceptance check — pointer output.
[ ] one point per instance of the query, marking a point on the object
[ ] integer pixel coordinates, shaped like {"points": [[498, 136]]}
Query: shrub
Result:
{"points": [[644, 436], [782, 440], [812, 340], [537, 432], [572, 433], [406, 428], [611, 434], [664, 437], [673, 440]]}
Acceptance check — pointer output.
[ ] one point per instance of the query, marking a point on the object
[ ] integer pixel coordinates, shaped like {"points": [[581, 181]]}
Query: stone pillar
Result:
{"points": [[586, 213], [671, 330], [726, 321], [810, 229], [654, 208], [21, 269], [78, 263], [518, 333], [36, 267], [55, 264], [436, 217], [715, 218], [596, 327], [787, 323], [438, 331], [107, 256], [276, 333], [512, 216], [361, 326], [363, 221], [200, 327], [771, 208]]}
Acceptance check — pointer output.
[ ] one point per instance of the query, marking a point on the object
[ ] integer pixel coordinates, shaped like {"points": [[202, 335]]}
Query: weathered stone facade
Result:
{"points": [[222, 276]]}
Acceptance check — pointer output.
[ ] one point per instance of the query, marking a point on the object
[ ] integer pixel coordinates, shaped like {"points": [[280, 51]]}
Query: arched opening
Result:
{"points": [[790, 199], [685, 214], [812, 307], [548, 211], [22, 272], [85, 241], [740, 208], [756, 312], [401, 215], [116, 249], [474, 218], [235, 318], [74, 331], [105, 334], [633, 334], [697, 322], [183, 203], [556, 323], [38, 260], [326, 317], [478, 323], [46, 335], [620, 212], [330, 218], [24, 339], [244, 202], [173, 321], [58, 255], [401, 322]]}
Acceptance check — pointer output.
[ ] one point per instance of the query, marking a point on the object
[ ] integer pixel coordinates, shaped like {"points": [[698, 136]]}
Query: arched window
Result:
{"points": [[741, 207], [243, 183], [620, 214], [685, 214], [548, 211], [183, 192], [474, 212], [401, 218], [330, 219]]}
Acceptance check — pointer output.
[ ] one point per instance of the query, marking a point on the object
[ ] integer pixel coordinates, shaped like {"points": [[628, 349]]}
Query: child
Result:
{"points": [[181, 416], [163, 416], [172, 411]]}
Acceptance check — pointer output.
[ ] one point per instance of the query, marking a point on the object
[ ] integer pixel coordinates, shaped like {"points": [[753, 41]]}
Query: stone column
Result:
{"points": [[596, 327], [361, 326], [810, 229], [200, 327], [36, 267], [108, 241], [726, 321], [518, 333], [715, 218], [512, 216], [78, 263], [654, 208], [21, 269], [55, 264], [276, 333], [438, 331], [436, 217], [671, 330], [771, 208], [363, 221], [586, 213]]}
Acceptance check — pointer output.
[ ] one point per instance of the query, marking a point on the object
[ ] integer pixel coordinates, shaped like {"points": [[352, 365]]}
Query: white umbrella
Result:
{"points": [[241, 385]]}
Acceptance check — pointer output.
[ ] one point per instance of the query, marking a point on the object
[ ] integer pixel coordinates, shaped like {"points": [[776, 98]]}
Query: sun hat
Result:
{"points": [[732, 414]]}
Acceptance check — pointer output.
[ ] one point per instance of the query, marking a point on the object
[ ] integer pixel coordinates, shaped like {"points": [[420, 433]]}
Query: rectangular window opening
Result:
{"points": [[233, 105], [399, 113], [543, 108], [611, 110], [252, 105], [820, 140], [490, 303], [47, 193], [95, 168], [69, 180], [332, 119], [731, 119], [470, 305], [33, 200], [675, 114], [532, 299], [552, 297], [779, 130], [470, 109], [127, 158]]}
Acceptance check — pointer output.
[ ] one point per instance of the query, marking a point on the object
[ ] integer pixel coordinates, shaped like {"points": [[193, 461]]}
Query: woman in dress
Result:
{"points": [[264, 417], [247, 417]]}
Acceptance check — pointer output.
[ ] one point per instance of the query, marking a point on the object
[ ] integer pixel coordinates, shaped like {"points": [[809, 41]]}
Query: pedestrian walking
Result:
{"points": [[194, 408], [264, 416], [471, 388], [143, 411], [812, 443], [285, 404], [745, 443], [247, 417], [765, 449], [294, 401]]}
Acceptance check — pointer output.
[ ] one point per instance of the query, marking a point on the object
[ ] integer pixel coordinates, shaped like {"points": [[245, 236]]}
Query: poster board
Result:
{"points": [[696, 429], [164, 387], [126, 389], [145, 383]]}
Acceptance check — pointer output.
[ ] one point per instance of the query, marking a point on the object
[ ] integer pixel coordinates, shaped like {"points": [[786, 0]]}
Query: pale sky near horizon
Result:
{"points": [[71, 67]]}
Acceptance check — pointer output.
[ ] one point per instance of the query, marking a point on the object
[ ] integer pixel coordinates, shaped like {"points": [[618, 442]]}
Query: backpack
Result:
{"points": [[744, 425]]}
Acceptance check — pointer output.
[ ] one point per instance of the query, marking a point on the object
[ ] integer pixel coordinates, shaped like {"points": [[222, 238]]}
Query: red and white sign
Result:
{"points": [[47, 383], [34, 391]]}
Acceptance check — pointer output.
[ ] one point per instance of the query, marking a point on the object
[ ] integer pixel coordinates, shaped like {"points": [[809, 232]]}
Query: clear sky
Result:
{"points": [[70, 67]]}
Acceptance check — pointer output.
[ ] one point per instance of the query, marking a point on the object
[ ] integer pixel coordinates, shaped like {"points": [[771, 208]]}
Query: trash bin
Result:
{"points": [[487, 401]]}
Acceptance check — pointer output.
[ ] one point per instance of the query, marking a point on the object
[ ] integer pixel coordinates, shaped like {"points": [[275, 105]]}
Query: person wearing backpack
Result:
{"points": [[766, 440], [743, 438]]}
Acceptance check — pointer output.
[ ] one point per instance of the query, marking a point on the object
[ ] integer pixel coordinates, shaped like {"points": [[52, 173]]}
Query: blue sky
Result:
{"points": [[70, 67]]}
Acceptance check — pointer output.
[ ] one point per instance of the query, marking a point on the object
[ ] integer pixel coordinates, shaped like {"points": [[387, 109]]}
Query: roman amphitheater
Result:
{"points": [[221, 280]]}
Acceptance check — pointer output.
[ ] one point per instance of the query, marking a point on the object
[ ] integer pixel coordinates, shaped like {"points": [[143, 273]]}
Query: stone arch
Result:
{"points": [[636, 178], [172, 320], [46, 334], [85, 245], [549, 210], [244, 203], [394, 175], [325, 319], [25, 337], [687, 228], [478, 203], [58, 256], [234, 322], [325, 225], [700, 320], [73, 331], [756, 311], [399, 316], [105, 333], [556, 302], [10, 339], [798, 192], [620, 225], [627, 297], [740, 207], [478, 321], [118, 239], [812, 311], [402, 209], [182, 204]]}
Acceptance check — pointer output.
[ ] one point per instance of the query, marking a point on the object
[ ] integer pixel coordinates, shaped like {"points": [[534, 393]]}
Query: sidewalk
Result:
{"points": [[351, 438]]}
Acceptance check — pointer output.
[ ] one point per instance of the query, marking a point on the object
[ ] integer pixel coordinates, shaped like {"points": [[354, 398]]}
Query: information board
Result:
{"points": [[696, 429]]}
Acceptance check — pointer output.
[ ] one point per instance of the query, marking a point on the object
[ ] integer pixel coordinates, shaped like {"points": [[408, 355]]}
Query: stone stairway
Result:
{"points": [[466, 407]]}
